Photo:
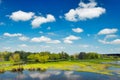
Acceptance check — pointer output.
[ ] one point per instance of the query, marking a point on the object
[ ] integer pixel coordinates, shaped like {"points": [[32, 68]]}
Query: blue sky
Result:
{"points": [[56, 25]]}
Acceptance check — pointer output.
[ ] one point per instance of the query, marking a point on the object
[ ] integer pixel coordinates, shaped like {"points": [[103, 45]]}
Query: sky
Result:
{"points": [[72, 26]]}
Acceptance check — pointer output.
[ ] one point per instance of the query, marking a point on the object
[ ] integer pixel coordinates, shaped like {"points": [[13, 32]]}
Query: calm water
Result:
{"points": [[55, 75]]}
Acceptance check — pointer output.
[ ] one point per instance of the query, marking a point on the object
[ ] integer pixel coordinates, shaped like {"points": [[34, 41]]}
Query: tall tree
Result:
{"points": [[82, 55]]}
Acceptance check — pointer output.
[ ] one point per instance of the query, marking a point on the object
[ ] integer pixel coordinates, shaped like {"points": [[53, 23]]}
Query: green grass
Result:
{"points": [[81, 65]]}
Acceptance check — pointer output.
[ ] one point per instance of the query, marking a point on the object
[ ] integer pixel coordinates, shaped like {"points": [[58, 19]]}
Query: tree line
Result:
{"points": [[43, 57]]}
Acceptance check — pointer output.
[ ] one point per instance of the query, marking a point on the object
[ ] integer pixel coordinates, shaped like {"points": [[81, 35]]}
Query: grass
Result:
{"points": [[82, 65]]}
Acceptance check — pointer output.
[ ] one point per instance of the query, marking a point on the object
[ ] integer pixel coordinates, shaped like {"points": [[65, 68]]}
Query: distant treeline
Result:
{"points": [[43, 57]]}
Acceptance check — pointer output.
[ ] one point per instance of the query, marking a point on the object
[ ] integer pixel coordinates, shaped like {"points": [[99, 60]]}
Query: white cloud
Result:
{"points": [[107, 31], [39, 20], [23, 45], [77, 30], [44, 39], [12, 35], [110, 36], [54, 41], [103, 41], [23, 38], [40, 39], [70, 39], [21, 16], [85, 11], [116, 41]]}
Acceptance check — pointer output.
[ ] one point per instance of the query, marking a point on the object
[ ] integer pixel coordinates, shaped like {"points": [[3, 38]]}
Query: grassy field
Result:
{"points": [[81, 65]]}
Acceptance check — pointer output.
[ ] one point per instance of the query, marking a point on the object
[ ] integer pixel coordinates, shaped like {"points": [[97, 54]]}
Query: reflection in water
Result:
{"points": [[21, 76], [115, 70], [44, 75], [71, 75], [55, 75]]}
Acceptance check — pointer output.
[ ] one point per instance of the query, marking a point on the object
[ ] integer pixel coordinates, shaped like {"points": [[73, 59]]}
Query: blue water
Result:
{"points": [[55, 75]]}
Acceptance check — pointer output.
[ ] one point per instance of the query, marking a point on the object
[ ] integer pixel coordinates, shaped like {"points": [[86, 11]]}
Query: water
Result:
{"points": [[55, 75], [115, 70], [114, 62]]}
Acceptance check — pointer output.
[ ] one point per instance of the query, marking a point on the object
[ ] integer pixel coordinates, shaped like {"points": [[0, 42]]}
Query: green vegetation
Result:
{"points": [[89, 62]]}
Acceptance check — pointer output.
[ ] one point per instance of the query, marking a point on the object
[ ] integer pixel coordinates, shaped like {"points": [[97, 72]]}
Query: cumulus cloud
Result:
{"points": [[107, 31], [70, 39], [85, 11], [23, 38], [116, 41], [18, 35], [54, 41], [39, 20], [12, 35], [110, 36], [21, 16], [40, 39], [44, 39], [103, 41], [77, 30]]}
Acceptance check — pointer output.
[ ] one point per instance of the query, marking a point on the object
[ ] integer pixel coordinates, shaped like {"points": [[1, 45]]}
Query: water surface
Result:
{"points": [[55, 75]]}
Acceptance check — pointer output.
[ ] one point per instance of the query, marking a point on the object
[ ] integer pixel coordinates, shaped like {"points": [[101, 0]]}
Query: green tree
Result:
{"points": [[2, 57], [93, 55], [15, 57], [31, 57], [63, 55], [43, 58], [54, 56], [82, 55]]}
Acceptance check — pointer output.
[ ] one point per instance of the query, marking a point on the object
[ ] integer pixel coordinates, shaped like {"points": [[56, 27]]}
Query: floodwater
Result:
{"points": [[55, 75]]}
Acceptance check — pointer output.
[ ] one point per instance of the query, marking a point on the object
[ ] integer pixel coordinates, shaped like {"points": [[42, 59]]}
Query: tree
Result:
{"points": [[82, 55], [54, 56], [74, 57], [2, 57], [93, 55], [43, 58], [21, 53], [63, 55], [15, 57], [31, 57]]}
